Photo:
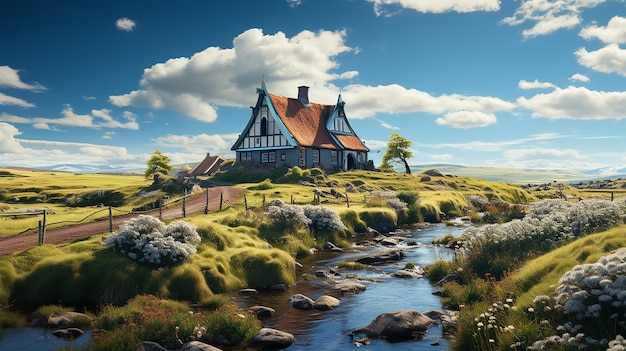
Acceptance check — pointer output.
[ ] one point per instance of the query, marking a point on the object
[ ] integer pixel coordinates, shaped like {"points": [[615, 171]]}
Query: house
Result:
{"points": [[209, 166], [297, 132]]}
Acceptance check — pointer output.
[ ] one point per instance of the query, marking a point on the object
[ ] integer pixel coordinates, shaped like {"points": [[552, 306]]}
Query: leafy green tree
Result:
{"points": [[158, 163], [397, 152]]}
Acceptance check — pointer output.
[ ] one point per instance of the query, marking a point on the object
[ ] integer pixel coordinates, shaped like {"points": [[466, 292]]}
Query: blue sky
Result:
{"points": [[523, 84]]}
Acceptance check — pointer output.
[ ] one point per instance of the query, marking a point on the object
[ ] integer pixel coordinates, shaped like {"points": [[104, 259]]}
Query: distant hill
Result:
{"points": [[515, 175], [494, 174]]}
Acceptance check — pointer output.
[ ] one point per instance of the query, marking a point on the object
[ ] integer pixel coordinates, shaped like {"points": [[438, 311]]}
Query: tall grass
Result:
{"points": [[148, 318]]}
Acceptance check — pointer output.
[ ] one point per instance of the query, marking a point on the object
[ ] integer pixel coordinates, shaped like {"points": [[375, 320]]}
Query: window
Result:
{"points": [[302, 158], [283, 157], [264, 157], [333, 157], [264, 125], [315, 157], [272, 157], [245, 156]]}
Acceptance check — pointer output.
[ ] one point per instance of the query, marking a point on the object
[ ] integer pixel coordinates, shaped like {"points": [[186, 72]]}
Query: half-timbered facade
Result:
{"points": [[296, 132]]}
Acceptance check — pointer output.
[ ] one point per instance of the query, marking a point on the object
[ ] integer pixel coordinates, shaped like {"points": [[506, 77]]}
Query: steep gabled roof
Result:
{"points": [[209, 165], [306, 124]]}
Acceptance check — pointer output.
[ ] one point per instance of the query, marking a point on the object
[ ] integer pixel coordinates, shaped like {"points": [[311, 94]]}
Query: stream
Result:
{"points": [[329, 330], [321, 330]]}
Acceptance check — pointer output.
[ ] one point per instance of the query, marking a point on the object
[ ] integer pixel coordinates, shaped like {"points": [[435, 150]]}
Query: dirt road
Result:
{"points": [[193, 205]]}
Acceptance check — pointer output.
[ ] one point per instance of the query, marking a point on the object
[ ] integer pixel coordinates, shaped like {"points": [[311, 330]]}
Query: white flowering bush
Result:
{"points": [[547, 224], [147, 240], [323, 219], [288, 216], [591, 298]]}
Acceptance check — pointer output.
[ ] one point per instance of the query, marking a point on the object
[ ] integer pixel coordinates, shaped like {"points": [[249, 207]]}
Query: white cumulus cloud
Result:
{"points": [[215, 76], [579, 77], [389, 7], [125, 24], [526, 85], [97, 119], [577, 103], [467, 119], [549, 16], [609, 59], [613, 33]]}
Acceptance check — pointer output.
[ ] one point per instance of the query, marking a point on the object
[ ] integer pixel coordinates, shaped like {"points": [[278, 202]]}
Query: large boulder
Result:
{"points": [[398, 326], [262, 311], [271, 339], [349, 288], [326, 302], [301, 302], [406, 274], [382, 256]]}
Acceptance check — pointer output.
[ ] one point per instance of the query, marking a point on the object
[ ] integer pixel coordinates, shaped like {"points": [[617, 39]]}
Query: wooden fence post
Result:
{"points": [[347, 200], [110, 219], [184, 210], [43, 228], [245, 202], [292, 199], [206, 206], [263, 200], [221, 200], [39, 239]]}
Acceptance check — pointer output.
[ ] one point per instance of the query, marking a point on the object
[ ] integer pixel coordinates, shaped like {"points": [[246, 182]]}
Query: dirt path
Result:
{"points": [[194, 205]]}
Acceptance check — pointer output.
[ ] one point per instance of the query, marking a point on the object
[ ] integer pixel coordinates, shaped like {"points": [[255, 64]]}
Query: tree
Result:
{"points": [[158, 163], [397, 152]]}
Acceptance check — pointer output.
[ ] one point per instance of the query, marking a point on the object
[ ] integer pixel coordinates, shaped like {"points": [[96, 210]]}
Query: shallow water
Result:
{"points": [[329, 330], [320, 330]]}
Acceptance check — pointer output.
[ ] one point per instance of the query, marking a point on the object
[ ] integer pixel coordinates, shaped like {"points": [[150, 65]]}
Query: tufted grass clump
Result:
{"points": [[167, 322], [439, 269]]}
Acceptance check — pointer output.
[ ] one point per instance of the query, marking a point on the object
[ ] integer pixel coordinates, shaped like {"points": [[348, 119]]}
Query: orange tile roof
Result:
{"points": [[351, 142], [308, 124]]}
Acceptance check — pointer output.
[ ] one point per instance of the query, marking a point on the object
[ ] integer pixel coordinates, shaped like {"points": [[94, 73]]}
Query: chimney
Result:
{"points": [[303, 95]]}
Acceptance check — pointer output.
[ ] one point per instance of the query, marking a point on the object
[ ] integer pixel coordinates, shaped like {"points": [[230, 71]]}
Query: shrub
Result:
{"points": [[289, 217], [145, 239], [323, 219], [409, 197]]}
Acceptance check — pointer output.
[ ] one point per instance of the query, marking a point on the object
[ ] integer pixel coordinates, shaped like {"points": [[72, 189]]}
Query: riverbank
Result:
{"points": [[328, 330]]}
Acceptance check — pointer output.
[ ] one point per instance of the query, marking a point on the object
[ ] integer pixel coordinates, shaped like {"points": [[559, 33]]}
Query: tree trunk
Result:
{"points": [[407, 169]]}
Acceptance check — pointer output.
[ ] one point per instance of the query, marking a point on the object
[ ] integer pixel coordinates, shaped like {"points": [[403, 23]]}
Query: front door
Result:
{"points": [[351, 162]]}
